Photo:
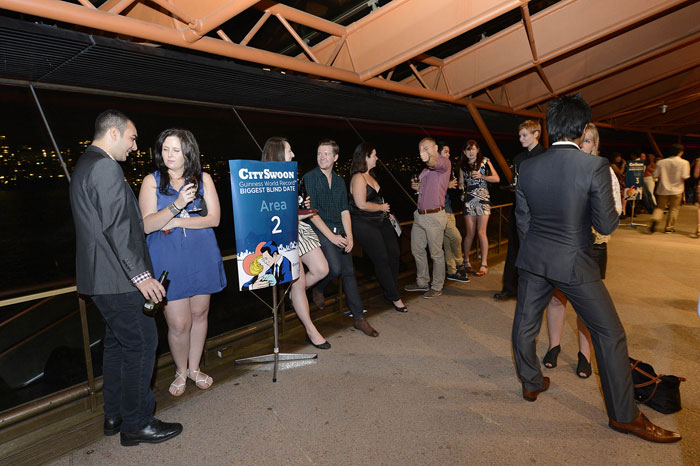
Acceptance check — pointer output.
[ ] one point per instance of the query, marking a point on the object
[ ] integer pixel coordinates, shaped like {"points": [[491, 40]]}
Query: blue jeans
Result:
{"points": [[340, 265], [129, 358]]}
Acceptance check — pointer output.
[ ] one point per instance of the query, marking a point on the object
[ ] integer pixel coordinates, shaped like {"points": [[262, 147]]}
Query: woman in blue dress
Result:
{"points": [[180, 207]]}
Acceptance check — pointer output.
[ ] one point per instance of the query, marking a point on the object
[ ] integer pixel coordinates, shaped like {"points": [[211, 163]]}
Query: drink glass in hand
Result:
{"points": [[195, 208], [415, 179]]}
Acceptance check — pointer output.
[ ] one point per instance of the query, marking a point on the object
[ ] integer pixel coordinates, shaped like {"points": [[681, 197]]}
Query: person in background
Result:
{"points": [[429, 219], [649, 183], [529, 135], [371, 225], [333, 225], [113, 267], [452, 241], [696, 174], [278, 149], [180, 209], [619, 165], [557, 304], [554, 224], [475, 174], [671, 173]]}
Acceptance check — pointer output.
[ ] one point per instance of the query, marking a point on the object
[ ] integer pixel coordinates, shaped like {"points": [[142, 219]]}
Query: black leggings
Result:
{"points": [[379, 242]]}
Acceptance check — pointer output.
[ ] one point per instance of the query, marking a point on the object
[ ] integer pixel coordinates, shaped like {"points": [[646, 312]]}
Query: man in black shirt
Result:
{"points": [[529, 133]]}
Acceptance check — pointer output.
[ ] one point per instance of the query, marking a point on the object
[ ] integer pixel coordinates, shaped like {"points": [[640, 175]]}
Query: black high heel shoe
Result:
{"points": [[584, 366], [324, 345], [551, 357], [399, 309]]}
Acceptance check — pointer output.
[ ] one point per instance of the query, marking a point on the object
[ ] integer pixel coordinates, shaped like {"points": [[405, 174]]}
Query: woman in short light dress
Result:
{"points": [[278, 149], [476, 171]]}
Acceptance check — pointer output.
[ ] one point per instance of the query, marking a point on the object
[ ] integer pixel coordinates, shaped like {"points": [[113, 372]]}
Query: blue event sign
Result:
{"points": [[633, 180], [265, 217]]}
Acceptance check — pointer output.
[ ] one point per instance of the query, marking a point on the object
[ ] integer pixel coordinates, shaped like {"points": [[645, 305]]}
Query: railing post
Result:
{"points": [[88, 353]]}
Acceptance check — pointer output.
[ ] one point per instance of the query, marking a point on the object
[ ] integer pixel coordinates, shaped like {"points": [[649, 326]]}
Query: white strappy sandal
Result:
{"points": [[179, 387], [202, 380]]}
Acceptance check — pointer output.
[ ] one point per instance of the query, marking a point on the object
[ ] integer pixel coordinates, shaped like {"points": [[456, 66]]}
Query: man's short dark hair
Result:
{"points": [[567, 118], [270, 247], [329, 142], [677, 149], [441, 145], [110, 119]]}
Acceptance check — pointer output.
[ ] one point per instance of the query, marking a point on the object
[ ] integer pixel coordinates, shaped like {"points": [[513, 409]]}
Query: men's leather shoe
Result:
{"points": [[318, 298], [155, 432], [532, 396], [503, 295], [112, 425], [362, 324], [644, 428]]}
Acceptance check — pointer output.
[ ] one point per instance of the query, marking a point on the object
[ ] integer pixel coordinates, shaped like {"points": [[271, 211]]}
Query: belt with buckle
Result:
{"points": [[430, 211]]}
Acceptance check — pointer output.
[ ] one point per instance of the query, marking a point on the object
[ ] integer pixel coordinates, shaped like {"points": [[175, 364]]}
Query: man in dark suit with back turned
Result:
{"points": [[114, 268], [560, 195]]}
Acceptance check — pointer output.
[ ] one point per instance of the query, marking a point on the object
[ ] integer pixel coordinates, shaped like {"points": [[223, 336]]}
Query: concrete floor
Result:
{"points": [[438, 386]]}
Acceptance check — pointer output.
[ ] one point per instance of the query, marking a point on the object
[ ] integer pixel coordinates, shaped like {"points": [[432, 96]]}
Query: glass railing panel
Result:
{"points": [[41, 348]]}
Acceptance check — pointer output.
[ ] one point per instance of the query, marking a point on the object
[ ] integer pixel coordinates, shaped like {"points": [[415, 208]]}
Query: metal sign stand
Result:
{"points": [[631, 222], [276, 356]]}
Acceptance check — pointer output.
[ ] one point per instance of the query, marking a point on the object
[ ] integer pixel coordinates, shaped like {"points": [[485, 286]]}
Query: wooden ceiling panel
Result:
{"points": [[648, 93], [613, 56]]}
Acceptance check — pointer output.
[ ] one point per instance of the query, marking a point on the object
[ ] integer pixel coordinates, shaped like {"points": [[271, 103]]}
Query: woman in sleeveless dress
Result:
{"points": [[371, 225], [180, 207], [475, 173], [278, 149]]}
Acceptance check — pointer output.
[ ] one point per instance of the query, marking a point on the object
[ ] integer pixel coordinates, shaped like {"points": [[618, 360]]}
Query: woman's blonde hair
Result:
{"points": [[590, 127]]}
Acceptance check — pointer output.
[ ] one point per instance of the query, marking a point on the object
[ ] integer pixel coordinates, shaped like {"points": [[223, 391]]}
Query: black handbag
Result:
{"points": [[660, 392]]}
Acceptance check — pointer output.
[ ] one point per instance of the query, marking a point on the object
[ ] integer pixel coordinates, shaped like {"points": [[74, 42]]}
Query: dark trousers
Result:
{"points": [[129, 357], [378, 240], [510, 272], [340, 265], [593, 304]]}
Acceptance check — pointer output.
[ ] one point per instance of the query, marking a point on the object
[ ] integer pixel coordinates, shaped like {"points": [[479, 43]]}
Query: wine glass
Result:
{"points": [[415, 179], [195, 208]]}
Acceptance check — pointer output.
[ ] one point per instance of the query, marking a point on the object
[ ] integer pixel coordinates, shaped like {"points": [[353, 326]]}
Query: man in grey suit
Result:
{"points": [[560, 195], [114, 268]]}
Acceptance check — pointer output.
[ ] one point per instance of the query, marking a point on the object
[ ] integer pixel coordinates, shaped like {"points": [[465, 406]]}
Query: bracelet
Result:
{"points": [[173, 208]]}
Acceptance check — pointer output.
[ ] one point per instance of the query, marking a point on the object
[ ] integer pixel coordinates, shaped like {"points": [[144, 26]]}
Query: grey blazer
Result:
{"points": [[110, 241], [560, 194]]}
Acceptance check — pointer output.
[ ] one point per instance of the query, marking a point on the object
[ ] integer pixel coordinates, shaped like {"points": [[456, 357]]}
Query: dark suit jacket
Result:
{"points": [[560, 194], [110, 241]]}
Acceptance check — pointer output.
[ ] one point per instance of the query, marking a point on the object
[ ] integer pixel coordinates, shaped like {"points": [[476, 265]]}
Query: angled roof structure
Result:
{"points": [[637, 62]]}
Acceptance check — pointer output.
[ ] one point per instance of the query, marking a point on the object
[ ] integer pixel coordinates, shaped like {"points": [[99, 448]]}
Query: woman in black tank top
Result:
{"points": [[370, 223]]}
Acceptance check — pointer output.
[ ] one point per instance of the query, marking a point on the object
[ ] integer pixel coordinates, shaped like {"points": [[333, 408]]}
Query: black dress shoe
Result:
{"points": [[532, 396], [112, 425], [503, 295], [155, 432], [324, 345]]}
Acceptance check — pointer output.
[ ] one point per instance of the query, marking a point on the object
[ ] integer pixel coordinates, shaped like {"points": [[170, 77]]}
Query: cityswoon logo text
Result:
{"points": [[266, 181], [265, 174]]}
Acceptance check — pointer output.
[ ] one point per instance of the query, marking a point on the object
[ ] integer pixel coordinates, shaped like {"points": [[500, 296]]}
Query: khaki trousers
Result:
{"points": [[452, 244], [673, 203], [428, 231]]}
